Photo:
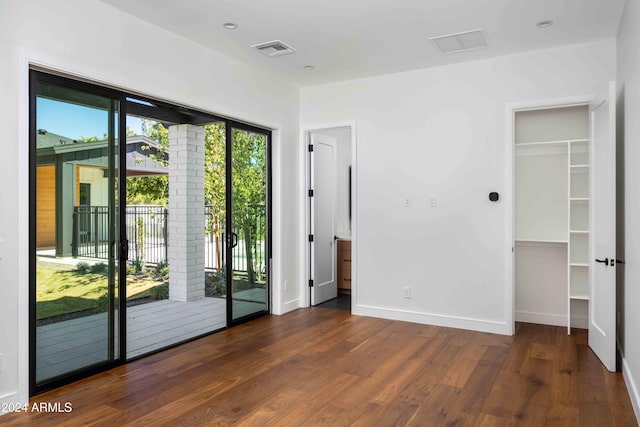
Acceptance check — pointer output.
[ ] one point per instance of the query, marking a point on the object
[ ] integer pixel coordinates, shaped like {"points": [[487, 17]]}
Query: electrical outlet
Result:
{"points": [[407, 292], [407, 202], [433, 201], [286, 285]]}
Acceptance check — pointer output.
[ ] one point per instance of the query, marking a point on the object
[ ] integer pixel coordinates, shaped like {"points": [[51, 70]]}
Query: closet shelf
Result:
{"points": [[580, 297], [530, 144], [579, 199], [579, 166], [579, 264], [539, 241], [560, 141], [579, 231]]}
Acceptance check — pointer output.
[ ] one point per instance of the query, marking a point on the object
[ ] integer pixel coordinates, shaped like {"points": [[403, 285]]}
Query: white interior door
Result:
{"points": [[602, 302], [322, 208]]}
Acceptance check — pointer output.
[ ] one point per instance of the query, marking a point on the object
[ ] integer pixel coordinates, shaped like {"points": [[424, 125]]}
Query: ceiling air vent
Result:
{"points": [[274, 48], [460, 42]]}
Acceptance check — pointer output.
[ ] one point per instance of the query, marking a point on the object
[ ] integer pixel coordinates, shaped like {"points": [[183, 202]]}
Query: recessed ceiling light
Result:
{"points": [[230, 25], [544, 24], [309, 67]]}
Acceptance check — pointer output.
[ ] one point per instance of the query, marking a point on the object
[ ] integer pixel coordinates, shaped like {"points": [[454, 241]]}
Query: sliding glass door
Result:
{"points": [[74, 223], [248, 240], [150, 226]]}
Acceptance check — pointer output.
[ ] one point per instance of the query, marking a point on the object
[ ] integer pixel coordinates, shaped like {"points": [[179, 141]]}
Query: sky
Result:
{"points": [[75, 121]]}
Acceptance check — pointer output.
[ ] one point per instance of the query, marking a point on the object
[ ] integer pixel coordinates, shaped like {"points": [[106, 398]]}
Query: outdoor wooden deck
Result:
{"points": [[75, 343], [162, 323]]}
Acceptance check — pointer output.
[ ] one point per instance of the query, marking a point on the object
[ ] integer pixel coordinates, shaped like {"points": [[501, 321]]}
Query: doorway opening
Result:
{"points": [[551, 216], [564, 231], [330, 216]]}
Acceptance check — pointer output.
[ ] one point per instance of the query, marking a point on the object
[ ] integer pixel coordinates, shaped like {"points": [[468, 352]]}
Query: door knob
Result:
{"points": [[604, 261]]}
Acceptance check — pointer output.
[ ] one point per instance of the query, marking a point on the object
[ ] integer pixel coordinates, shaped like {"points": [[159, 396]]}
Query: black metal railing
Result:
{"points": [[214, 247], [147, 233], [90, 232]]}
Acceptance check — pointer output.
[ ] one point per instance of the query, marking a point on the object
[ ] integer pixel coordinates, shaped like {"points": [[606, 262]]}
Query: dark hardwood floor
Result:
{"points": [[326, 367]]}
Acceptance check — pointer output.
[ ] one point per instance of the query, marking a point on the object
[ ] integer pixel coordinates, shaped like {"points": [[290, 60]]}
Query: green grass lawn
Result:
{"points": [[61, 290]]}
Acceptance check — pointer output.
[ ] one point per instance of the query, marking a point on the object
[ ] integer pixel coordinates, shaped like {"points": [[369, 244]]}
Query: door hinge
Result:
{"points": [[310, 148], [311, 283], [311, 237], [310, 193]]}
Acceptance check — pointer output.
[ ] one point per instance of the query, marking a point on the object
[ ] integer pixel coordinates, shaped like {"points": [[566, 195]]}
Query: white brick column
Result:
{"points": [[186, 213]]}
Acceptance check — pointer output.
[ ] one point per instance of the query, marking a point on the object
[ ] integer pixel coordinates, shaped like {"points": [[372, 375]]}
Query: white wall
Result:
{"points": [[441, 132], [91, 39], [628, 131], [541, 283]]}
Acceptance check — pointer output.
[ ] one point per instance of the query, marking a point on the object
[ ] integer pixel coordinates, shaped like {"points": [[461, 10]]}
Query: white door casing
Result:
{"points": [[322, 166], [602, 301]]}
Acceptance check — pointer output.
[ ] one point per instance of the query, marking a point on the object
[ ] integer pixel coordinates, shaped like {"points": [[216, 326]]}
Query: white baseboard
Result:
{"points": [[632, 388], [289, 306], [551, 319], [541, 318], [8, 400], [580, 323], [479, 325]]}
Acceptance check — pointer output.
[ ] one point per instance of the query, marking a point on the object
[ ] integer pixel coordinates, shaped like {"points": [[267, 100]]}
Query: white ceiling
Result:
{"points": [[348, 39]]}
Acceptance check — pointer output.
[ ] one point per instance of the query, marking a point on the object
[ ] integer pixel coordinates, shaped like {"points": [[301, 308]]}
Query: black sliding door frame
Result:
{"points": [[229, 238], [117, 98], [118, 248]]}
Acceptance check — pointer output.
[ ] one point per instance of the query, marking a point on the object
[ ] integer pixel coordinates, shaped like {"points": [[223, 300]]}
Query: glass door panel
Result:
{"points": [[74, 147], [248, 237], [170, 300]]}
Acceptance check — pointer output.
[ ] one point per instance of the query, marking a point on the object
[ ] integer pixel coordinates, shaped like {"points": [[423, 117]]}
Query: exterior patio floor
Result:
{"points": [[80, 342]]}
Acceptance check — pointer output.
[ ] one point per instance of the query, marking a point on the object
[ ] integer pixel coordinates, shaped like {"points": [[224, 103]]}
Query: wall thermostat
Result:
{"points": [[493, 196]]}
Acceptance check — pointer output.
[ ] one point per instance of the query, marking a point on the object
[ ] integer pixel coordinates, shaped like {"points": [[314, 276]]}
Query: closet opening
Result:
{"points": [[552, 212]]}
